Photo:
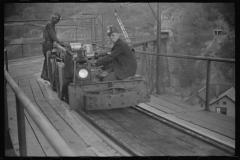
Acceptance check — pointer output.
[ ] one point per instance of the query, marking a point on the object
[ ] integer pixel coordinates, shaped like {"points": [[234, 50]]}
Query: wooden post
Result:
{"points": [[158, 85], [22, 49], [103, 33], [143, 60], [208, 84], [21, 128], [76, 33], [6, 128], [91, 30], [95, 28], [6, 58]]}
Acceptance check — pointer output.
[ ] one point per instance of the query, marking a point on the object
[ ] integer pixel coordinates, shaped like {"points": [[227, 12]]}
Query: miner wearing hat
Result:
{"points": [[49, 35], [121, 61]]}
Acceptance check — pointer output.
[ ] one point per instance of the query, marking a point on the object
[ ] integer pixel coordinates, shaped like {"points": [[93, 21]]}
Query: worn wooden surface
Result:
{"points": [[142, 134], [79, 137], [215, 126], [210, 121], [148, 136]]}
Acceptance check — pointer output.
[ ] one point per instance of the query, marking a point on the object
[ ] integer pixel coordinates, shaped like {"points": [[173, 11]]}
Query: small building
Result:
{"points": [[221, 98], [224, 103]]}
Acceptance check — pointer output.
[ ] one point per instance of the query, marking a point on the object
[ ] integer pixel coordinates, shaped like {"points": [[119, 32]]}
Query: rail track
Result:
{"points": [[136, 132]]}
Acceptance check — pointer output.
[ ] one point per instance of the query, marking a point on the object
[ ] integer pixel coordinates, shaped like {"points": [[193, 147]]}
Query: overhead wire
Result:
{"points": [[152, 11]]}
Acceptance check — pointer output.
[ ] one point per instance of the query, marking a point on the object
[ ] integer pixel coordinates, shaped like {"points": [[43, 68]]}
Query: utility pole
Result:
{"points": [[158, 67]]}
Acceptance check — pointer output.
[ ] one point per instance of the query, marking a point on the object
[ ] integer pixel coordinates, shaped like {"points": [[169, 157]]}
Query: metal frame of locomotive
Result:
{"points": [[71, 75]]}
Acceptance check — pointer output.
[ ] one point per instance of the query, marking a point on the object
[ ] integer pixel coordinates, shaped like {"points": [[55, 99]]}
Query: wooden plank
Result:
{"points": [[99, 147], [48, 150], [144, 134], [122, 135], [192, 127], [26, 65], [168, 105], [212, 120], [32, 76], [199, 116], [25, 72], [33, 147], [209, 126], [73, 140], [198, 146], [201, 110], [219, 116], [23, 63], [161, 108], [178, 102]]}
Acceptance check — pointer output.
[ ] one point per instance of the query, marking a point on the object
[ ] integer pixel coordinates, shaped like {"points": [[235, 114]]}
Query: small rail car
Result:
{"points": [[75, 80]]}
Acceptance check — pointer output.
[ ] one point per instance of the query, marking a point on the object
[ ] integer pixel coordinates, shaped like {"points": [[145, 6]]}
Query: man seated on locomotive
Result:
{"points": [[121, 62], [49, 35]]}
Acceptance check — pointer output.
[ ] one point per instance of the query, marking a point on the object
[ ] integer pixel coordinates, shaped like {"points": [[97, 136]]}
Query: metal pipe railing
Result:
{"points": [[50, 133], [190, 57], [6, 127], [207, 85], [21, 127], [208, 73], [40, 20]]}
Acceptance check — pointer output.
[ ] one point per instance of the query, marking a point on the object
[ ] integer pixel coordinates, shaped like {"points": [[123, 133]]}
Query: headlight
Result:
{"points": [[82, 73]]}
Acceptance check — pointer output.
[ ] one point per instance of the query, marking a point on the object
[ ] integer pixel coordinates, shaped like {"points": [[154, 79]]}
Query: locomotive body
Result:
{"points": [[74, 79]]}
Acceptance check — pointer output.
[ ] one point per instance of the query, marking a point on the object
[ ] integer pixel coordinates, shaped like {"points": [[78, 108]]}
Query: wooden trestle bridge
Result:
{"points": [[40, 124]]}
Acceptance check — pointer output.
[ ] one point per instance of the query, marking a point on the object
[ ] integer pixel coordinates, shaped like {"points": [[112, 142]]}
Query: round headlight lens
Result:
{"points": [[83, 73]]}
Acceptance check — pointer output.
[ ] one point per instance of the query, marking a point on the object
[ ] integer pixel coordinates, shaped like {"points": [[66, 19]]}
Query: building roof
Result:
{"points": [[230, 93], [200, 90]]}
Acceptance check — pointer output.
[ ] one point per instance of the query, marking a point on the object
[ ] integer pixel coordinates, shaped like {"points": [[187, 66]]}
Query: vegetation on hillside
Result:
{"points": [[192, 25]]}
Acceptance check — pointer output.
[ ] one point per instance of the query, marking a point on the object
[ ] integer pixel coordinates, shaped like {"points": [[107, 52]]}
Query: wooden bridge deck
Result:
{"points": [[82, 139]]}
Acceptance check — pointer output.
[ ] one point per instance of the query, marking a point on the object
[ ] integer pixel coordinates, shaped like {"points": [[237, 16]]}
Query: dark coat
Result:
{"points": [[49, 35], [123, 60]]}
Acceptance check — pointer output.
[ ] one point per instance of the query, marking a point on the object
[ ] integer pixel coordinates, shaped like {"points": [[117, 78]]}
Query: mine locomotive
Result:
{"points": [[76, 80]]}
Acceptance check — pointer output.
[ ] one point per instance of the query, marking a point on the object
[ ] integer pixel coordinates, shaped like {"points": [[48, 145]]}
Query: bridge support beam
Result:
{"points": [[159, 88]]}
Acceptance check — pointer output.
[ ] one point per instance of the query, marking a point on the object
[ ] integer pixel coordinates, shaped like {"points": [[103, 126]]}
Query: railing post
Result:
{"points": [[91, 30], [103, 34], [21, 128], [95, 28], [76, 33], [6, 58], [6, 128], [158, 67], [208, 84], [22, 50]]}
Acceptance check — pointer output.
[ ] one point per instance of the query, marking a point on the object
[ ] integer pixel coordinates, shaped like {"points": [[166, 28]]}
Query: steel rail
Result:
{"points": [[48, 130], [185, 129], [110, 140]]}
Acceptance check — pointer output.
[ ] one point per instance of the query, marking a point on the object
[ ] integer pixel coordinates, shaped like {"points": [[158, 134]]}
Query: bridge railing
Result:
{"points": [[177, 71], [35, 48], [23, 102], [180, 73]]}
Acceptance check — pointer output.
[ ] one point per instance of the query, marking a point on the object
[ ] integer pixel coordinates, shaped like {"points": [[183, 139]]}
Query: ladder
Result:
{"points": [[123, 30]]}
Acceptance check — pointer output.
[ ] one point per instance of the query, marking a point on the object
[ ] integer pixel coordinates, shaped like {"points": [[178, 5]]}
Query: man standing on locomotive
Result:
{"points": [[121, 61], [49, 35]]}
